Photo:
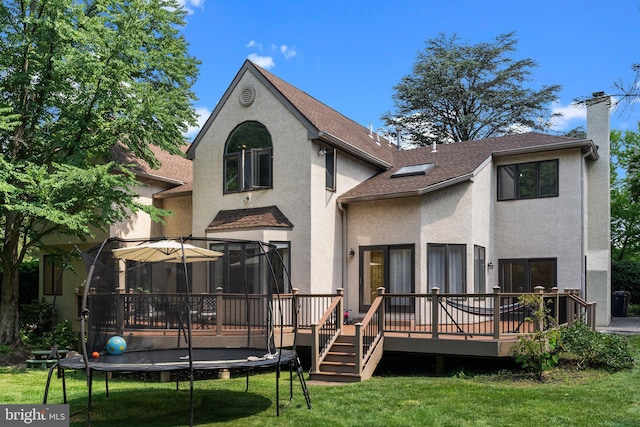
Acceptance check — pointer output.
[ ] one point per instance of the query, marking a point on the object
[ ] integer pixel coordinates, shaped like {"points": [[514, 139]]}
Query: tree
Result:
{"points": [[460, 92], [82, 76], [625, 195]]}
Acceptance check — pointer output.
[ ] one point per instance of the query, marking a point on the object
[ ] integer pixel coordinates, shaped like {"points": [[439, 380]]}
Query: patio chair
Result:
{"points": [[206, 311]]}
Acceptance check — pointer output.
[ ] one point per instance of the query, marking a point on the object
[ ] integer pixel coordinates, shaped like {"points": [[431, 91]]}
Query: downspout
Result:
{"points": [[345, 252]]}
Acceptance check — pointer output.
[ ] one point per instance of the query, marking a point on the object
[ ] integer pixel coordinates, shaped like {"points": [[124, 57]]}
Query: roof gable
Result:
{"points": [[321, 121]]}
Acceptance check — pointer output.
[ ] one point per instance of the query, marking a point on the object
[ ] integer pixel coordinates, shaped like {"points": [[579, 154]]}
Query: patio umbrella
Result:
{"points": [[166, 251]]}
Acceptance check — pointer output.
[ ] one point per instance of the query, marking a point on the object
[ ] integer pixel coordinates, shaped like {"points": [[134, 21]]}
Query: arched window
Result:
{"points": [[247, 158]]}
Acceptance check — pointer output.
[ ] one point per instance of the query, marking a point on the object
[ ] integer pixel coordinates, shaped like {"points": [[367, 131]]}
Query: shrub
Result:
{"points": [[595, 349], [538, 352], [38, 330]]}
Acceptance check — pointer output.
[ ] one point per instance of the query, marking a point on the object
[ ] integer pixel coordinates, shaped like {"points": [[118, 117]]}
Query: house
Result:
{"points": [[348, 209], [352, 211]]}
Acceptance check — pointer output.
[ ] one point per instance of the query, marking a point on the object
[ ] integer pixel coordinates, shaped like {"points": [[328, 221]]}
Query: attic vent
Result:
{"points": [[421, 169], [247, 96]]}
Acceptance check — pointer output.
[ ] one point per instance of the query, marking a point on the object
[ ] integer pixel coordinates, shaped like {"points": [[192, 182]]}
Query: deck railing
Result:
{"points": [[216, 312], [475, 315], [326, 330], [369, 333]]}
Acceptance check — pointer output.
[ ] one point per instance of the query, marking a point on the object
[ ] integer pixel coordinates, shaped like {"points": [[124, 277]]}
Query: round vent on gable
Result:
{"points": [[247, 96]]}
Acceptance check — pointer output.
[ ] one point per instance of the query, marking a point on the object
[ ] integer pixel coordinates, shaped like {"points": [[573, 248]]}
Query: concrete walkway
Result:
{"points": [[622, 325]]}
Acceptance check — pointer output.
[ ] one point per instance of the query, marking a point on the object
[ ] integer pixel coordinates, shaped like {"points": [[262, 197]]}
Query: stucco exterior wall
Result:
{"points": [[545, 227], [179, 223], [446, 217], [385, 222], [291, 172]]}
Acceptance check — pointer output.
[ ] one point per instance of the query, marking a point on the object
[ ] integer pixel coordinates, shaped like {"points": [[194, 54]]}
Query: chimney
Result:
{"points": [[597, 219], [598, 122]]}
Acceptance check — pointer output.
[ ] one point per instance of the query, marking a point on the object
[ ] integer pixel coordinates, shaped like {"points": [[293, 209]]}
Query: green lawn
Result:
{"points": [[566, 398]]}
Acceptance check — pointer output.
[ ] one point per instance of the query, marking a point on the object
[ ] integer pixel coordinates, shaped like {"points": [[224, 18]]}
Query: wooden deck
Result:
{"points": [[453, 344]]}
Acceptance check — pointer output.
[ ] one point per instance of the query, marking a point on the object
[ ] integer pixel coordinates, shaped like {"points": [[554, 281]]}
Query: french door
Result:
{"points": [[390, 267]]}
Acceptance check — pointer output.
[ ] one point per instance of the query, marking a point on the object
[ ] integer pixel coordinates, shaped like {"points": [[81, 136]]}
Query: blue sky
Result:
{"points": [[350, 54]]}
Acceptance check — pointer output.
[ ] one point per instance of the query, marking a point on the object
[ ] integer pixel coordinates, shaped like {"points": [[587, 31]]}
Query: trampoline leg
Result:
{"points": [[64, 385], [106, 383], [46, 389], [290, 381], [278, 390], [247, 386], [90, 380]]}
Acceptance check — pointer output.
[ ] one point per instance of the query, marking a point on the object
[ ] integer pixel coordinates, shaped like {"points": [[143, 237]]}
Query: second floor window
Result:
{"points": [[247, 158], [528, 180]]}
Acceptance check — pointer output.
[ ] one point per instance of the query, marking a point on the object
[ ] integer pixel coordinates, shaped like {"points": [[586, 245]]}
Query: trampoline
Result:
{"points": [[228, 324]]}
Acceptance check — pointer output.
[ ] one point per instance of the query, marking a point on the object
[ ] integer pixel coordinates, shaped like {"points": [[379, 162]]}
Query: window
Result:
{"points": [[390, 267], [479, 272], [523, 275], [446, 267], [413, 170], [52, 276], [247, 158], [330, 165], [528, 180], [243, 268]]}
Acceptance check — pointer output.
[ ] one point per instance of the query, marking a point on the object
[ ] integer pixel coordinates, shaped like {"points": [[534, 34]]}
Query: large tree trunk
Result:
{"points": [[9, 319], [11, 258]]}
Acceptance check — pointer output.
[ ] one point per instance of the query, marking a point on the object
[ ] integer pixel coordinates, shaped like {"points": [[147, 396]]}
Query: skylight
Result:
{"points": [[413, 170]]}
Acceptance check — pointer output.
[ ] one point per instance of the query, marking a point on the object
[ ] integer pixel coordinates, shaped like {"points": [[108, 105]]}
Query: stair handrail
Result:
{"points": [[369, 333], [326, 330]]}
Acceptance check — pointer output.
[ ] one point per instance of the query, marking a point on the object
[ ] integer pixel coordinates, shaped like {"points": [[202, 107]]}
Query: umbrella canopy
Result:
{"points": [[166, 251]]}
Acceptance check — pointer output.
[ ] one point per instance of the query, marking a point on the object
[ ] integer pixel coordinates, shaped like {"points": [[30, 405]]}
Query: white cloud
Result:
{"points": [[203, 114], [255, 44], [263, 61], [287, 52], [572, 116], [190, 5]]}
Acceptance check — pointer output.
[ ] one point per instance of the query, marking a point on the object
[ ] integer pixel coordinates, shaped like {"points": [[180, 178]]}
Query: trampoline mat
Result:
{"points": [[178, 359]]}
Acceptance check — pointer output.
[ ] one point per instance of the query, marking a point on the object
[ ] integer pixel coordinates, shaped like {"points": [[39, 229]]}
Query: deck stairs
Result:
{"points": [[339, 363]]}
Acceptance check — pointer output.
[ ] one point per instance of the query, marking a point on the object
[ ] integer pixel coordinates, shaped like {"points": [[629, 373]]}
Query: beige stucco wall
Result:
{"points": [[179, 223], [545, 227], [384, 222], [299, 189]]}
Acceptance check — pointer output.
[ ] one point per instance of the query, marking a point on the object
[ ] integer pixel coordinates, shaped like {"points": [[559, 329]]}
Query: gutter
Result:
{"points": [[412, 193], [592, 148], [345, 146]]}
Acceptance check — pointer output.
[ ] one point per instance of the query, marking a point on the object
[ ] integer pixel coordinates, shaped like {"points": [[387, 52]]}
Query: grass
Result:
{"points": [[497, 398]]}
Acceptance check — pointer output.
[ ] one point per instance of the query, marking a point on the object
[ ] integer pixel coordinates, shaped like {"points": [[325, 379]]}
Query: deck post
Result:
{"points": [[315, 348], [219, 311], [434, 313], [591, 315], [359, 342], [496, 312], [556, 304], [540, 290], [381, 311], [340, 320], [294, 308]]}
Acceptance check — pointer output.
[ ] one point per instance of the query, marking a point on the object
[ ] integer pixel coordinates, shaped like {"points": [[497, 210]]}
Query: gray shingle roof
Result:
{"points": [[269, 216], [453, 163], [330, 123]]}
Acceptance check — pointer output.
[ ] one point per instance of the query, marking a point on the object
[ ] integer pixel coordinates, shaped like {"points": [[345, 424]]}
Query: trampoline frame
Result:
{"points": [[191, 362]]}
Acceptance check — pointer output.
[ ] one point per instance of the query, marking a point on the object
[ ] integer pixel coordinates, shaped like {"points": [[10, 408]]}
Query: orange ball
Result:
{"points": [[95, 354]]}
